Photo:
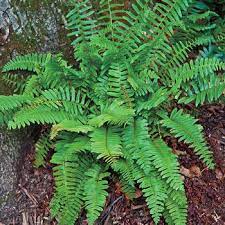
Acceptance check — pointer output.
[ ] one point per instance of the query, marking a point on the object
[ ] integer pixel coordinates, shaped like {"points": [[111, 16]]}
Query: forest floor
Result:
{"points": [[205, 188]]}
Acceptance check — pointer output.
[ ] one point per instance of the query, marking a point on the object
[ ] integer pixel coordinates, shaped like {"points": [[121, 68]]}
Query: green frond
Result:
{"points": [[131, 29], [113, 83], [14, 81], [164, 17], [143, 83], [115, 113], [118, 85], [170, 12], [106, 142], [80, 21], [200, 67], [136, 144], [125, 169], [184, 127], [176, 208], [31, 86], [69, 147], [204, 90], [179, 53], [13, 101], [71, 126], [38, 115], [67, 98], [69, 178], [166, 163], [95, 192], [42, 147], [155, 99], [154, 192], [30, 62], [109, 13]]}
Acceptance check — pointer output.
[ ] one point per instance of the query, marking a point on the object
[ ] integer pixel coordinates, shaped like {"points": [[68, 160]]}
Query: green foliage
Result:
{"points": [[113, 112], [42, 147], [95, 192]]}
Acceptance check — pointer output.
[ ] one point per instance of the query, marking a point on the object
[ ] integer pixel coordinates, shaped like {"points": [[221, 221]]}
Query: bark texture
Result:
{"points": [[10, 147]]}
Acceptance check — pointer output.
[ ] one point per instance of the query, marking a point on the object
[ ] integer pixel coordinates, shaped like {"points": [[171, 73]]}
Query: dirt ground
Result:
{"points": [[205, 188]]}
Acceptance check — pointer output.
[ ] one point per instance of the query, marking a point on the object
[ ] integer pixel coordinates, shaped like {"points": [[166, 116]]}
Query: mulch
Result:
{"points": [[205, 188]]}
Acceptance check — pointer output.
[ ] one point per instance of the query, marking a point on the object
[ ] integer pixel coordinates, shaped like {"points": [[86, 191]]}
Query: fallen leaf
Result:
{"points": [[186, 172], [178, 152], [219, 174], [194, 171]]}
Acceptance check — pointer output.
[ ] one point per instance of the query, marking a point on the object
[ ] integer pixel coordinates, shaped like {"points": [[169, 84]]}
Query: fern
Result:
{"points": [[80, 21], [184, 127], [67, 201], [13, 102], [106, 143], [42, 147], [30, 62], [95, 192], [154, 191], [166, 163]]}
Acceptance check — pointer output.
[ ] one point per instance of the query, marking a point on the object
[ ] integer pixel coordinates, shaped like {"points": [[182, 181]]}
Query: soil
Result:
{"points": [[205, 188]]}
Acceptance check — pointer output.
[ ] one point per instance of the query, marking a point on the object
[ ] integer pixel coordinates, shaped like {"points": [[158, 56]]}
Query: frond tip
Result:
{"points": [[185, 128], [95, 192]]}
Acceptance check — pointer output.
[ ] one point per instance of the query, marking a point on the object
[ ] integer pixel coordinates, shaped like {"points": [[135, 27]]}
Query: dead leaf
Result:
{"points": [[219, 174], [186, 172], [178, 152], [194, 171]]}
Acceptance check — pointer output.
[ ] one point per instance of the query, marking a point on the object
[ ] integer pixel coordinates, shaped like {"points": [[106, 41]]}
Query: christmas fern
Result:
{"points": [[112, 112]]}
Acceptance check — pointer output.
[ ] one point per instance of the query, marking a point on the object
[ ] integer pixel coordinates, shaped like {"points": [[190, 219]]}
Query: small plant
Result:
{"points": [[113, 112]]}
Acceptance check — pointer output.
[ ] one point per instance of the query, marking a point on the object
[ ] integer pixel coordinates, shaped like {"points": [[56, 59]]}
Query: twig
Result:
{"points": [[30, 196], [109, 209]]}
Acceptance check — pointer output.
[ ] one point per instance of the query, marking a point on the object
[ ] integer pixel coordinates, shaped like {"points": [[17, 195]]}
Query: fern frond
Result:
{"points": [[67, 148], [201, 67], [115, 113], [13, 101], [204, 90], [95, 192], [184, 127], [131, 30], [136, 144], [106, 143], [28, 62], [16, 82], [125, 169], [42, 147], [32, 85], [154, 191], [67, 98], [71, 126], [69, 177], [81, 22], [154, 100], [109, 13], [166, 163], [176, 208], [38, 115]]}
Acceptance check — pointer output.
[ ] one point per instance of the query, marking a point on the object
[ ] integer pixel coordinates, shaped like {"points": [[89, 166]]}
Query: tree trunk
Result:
{"points": [[10, 146]]}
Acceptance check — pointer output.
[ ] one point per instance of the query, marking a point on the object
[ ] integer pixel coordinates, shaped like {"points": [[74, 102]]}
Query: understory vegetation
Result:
{"points": [[138, 65]]}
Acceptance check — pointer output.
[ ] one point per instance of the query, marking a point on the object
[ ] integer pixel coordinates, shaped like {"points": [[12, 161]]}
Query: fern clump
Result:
{"points": [[114, 110]]}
